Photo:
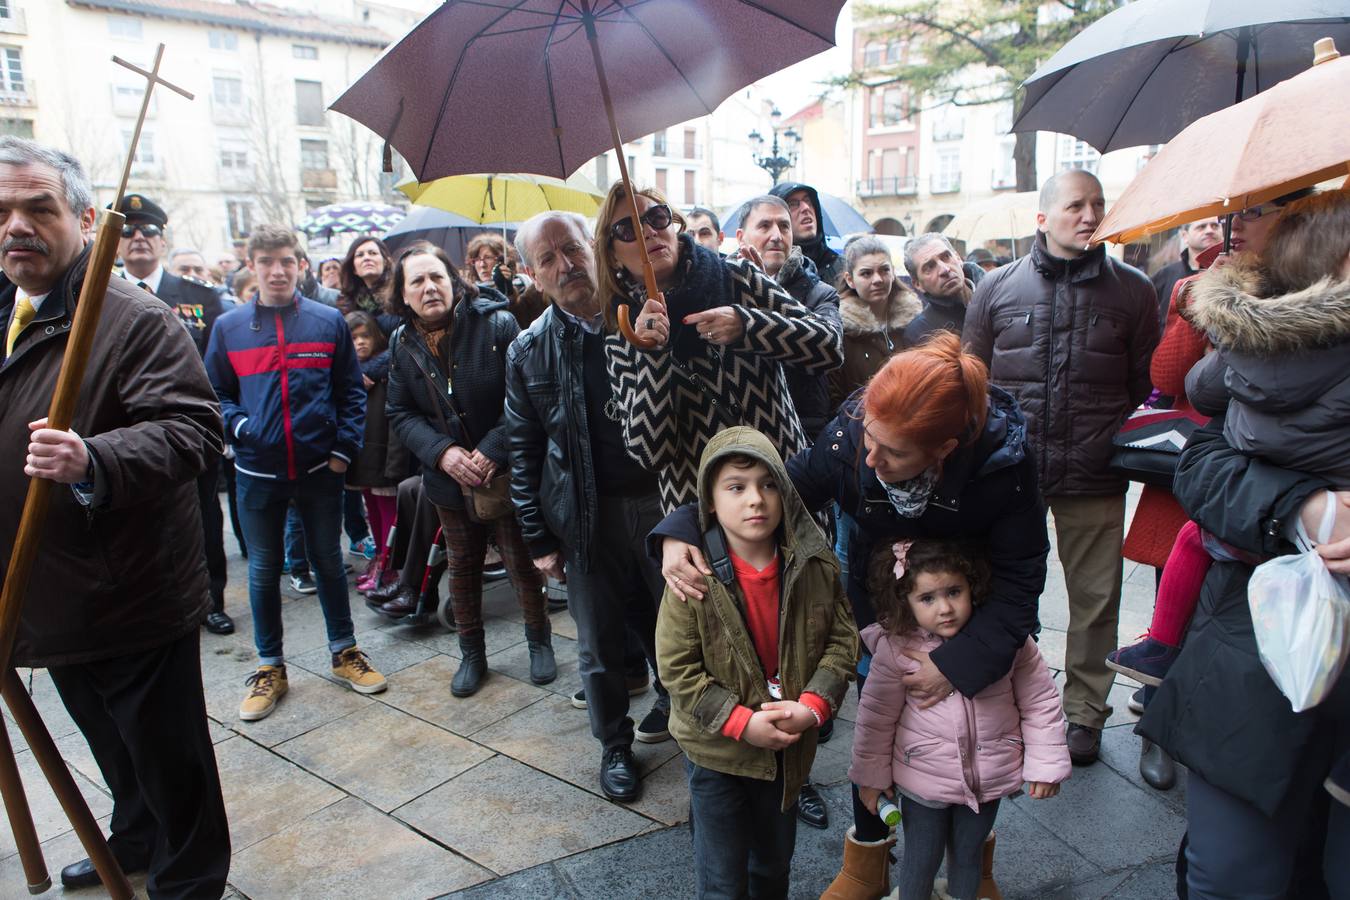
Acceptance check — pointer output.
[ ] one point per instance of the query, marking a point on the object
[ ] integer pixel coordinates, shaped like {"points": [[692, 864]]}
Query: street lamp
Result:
{"points": [[777, 160]]}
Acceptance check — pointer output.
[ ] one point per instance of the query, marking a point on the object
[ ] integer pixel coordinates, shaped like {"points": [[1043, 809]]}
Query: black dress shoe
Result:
{"points": [[619, 777], [811, 807], [1157, 767], [384, 593], [82, 874], [217, 622]]}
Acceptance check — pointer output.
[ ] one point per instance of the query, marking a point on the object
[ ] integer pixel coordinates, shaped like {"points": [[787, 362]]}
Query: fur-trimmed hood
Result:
{"points": [[1229, 303], [858, 319]]}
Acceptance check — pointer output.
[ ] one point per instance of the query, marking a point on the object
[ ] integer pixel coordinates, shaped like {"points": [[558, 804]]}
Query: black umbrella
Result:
{"points": [[1144, 72]]}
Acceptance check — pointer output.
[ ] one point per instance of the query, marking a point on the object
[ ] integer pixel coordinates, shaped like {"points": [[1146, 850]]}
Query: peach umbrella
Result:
{"points": [[1295, 135]]}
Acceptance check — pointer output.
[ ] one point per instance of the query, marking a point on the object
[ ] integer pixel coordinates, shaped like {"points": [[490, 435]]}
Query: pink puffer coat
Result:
{"points": [[960, 751]]}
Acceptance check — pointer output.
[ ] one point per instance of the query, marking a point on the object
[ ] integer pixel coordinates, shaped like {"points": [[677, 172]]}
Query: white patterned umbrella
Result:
{"points": [[358, 218]]}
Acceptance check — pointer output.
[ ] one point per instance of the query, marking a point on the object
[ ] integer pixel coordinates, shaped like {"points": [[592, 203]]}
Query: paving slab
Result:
{"points": [[58, 852], [1095, 801], [350, 849], [570, 752], [543, 881], [48, 703], [1120, 751], [424, 691], [506, 816], [384, 756], [665, 792], [264, 793]]}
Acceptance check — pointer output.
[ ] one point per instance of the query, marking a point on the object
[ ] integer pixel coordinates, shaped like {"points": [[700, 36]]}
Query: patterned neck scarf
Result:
{"points": [[910, 498]]}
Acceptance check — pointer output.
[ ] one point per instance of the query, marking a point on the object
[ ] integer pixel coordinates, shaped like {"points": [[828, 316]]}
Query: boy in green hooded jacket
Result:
{"points": [[755, 668]]}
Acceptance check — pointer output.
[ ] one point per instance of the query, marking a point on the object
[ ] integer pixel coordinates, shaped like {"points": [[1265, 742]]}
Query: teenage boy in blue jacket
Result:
{"points": [[294, 406]]}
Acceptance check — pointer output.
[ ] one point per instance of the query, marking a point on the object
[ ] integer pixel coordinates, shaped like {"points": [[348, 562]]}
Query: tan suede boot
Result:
{"points": [[988, 890], [866, 874]]}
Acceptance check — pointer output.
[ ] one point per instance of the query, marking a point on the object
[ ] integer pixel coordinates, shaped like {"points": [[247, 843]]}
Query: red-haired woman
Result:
{"points": [[929, 450]]}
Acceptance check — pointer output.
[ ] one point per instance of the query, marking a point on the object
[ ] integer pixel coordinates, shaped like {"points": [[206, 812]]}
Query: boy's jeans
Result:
{"points": [[262, 514], [742, 843]]}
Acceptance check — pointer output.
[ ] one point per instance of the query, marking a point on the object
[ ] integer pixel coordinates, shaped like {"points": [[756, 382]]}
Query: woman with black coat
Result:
{"points": [[447, 392]]}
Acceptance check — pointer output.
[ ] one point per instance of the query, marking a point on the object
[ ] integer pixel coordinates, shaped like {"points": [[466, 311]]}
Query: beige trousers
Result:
{"points": [[1089, 532]]}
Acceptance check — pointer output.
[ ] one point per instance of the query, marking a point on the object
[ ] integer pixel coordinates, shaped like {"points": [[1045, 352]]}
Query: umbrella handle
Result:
{"points": [[626, 329]]}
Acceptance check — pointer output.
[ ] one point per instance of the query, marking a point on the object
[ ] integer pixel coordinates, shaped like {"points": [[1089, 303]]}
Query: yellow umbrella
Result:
{"points": [[495, 199], [1295, 135], [1005, 217]]}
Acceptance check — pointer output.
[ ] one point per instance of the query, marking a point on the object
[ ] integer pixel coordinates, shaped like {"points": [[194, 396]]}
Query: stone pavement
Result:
{"points": [[412, 793]]}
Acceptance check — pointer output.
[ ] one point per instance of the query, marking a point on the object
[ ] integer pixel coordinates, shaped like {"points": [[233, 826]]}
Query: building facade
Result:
{"points": [[257, 143]]}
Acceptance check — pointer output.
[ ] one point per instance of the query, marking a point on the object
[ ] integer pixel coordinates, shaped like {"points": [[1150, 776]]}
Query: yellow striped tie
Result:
{"points": [[23, 314]]}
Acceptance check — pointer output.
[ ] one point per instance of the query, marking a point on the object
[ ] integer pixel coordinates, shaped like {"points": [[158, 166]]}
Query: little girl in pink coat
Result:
{"points": [[950, 762]]}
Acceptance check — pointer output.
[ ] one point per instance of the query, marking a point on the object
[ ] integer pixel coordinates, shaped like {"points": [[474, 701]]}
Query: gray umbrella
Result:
{"points": [[1144, 72]]}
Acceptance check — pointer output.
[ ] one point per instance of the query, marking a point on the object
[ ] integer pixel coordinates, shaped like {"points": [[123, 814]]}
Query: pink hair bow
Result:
{"points": [[901, 551]]}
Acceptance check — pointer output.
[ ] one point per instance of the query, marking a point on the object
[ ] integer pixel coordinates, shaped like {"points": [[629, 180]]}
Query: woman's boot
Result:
{"points": [[866, 874], [988, 890], [472, 667], [543, 667]]}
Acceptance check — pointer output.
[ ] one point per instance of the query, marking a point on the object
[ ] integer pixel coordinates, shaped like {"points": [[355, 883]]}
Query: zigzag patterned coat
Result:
{"points": [[671, 401]]}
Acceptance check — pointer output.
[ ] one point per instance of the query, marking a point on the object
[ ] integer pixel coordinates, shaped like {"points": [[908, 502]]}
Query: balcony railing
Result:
{"points": [[1002, 181], [951, 131], [945, 184], [673, 150], [318, 179], [901, 186], [22, 95]]}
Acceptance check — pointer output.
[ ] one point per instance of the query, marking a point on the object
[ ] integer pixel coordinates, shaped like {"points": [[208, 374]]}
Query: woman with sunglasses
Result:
{"points": [[446, 403], [717, 342]]}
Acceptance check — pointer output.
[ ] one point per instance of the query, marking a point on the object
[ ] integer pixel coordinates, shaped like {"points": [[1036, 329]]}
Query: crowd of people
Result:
{"points": [[811, 470]]}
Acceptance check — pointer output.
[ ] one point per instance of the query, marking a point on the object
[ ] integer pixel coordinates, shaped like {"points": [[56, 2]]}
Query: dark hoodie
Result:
{"points": [[810, 390], [829, 264]]}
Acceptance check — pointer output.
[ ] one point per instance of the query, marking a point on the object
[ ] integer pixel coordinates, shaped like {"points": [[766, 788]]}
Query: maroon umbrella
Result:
{"points": [[519, 85]]}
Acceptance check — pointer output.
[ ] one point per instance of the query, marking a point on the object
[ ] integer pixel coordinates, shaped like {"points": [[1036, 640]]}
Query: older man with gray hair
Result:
{"points": [[119, 584], [585, 506], [1069, 331], [942, 282]]}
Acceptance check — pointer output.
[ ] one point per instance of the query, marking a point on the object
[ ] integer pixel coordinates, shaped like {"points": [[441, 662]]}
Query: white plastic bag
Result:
{"points": [[1301, 616]]}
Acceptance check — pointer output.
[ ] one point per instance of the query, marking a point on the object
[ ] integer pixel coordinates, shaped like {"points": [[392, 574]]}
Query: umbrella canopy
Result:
{"points": [[493, 199], [1142, 73], [446, 230], [1292, 136], [1002, 218], [837, 218], [529, 66], [360, 218]]}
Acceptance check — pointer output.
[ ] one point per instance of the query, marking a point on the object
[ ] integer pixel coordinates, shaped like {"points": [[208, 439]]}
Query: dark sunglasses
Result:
{"points": [[150, 231], [658, 217]]}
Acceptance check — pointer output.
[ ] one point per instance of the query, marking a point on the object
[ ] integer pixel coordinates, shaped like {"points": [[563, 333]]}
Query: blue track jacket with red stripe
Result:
{"points": [[289, 385]]}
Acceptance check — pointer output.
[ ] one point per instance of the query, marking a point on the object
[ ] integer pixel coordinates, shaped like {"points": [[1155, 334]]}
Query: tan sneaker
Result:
{"points": [[353, 667], [266, 687]]}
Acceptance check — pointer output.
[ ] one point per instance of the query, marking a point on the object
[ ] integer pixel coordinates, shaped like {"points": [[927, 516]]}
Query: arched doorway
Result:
{"points": [[937, 223], [889, 225]]}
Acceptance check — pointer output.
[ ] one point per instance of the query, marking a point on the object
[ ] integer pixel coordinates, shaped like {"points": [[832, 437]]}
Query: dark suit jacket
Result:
{"points": [[197, 306]]}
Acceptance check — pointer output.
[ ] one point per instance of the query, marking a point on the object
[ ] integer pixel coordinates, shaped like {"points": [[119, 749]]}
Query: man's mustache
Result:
{"points": [[37, 245], [574, 276]]}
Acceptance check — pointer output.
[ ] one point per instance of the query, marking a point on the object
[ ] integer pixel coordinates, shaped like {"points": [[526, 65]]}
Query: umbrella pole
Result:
{"points": [[648, 276], [1228, 234]]}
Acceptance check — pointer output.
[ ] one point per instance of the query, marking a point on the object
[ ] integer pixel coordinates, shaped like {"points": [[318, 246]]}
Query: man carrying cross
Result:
{"points": [[119, 586]]}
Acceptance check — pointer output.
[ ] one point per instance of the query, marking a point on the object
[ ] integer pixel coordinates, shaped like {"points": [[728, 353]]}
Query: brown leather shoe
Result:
{"points": [[403, 604], [385, 592], [1085, 744]]}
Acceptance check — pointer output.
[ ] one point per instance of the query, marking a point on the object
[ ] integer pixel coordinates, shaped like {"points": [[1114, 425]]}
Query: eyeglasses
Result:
{"points": [[658, 217], [150, 231], [1253, 213]]}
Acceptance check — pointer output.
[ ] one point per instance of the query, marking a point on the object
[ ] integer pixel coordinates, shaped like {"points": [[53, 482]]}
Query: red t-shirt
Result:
{"points": [[760, 587]]}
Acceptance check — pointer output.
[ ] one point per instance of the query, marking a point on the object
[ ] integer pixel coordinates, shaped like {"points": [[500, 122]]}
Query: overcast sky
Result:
{"points": [[796, 86]]}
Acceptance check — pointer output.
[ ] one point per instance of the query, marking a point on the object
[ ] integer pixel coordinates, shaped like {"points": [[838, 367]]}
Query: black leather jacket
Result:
{"points": [[552, 472]]}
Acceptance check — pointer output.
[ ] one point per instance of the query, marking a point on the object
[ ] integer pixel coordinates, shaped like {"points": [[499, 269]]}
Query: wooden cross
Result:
{"points": [[152, 78]]}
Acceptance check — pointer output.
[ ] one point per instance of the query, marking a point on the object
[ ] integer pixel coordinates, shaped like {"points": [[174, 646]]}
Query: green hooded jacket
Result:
{"points": [[707, 659]]}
